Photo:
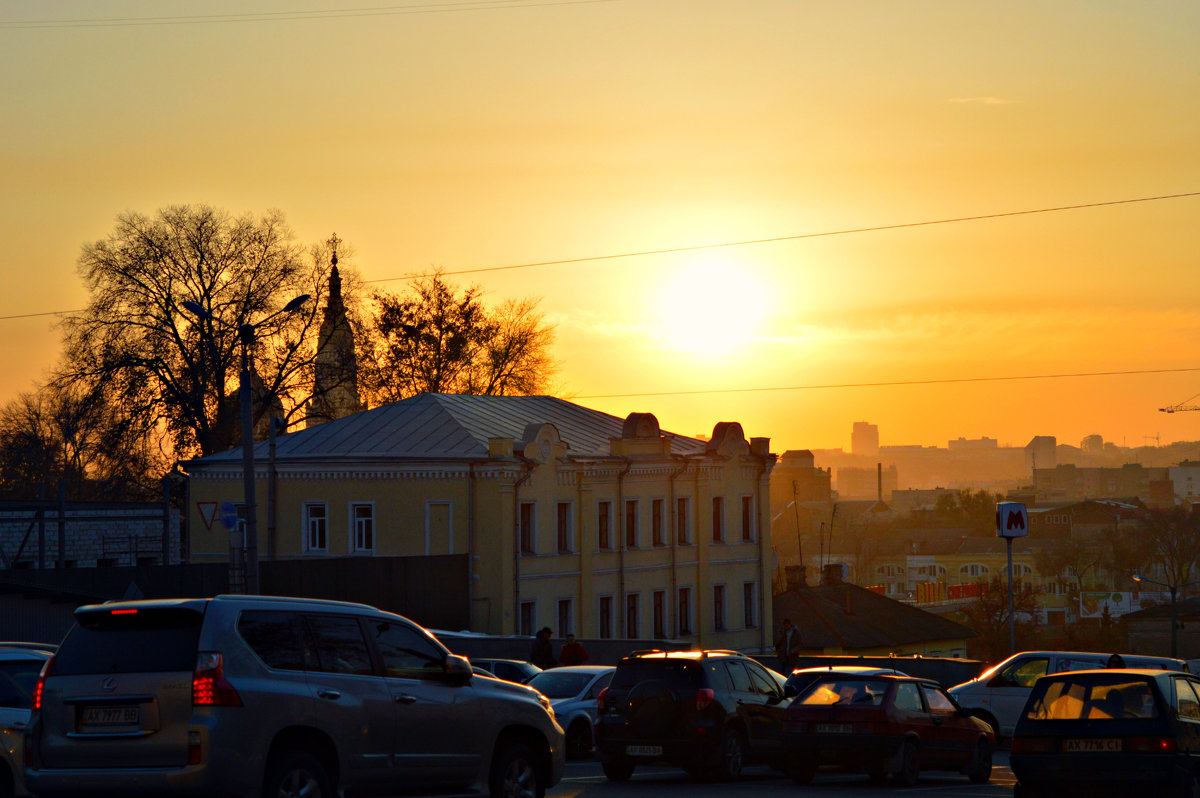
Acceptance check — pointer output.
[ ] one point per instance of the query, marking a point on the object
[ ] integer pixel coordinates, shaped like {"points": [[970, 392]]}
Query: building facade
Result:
{"points": [[573, 519]]}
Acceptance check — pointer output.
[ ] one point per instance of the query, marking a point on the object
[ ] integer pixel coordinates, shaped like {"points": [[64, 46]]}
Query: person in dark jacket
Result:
{"points": [[542, 653], [573, 652]]}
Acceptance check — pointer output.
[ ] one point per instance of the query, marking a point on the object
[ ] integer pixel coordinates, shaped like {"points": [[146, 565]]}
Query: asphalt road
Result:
{"points": [[586, 780]]}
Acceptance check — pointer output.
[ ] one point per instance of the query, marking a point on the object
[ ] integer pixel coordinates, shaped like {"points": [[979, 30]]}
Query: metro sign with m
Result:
{"points": [[1012, 520]]}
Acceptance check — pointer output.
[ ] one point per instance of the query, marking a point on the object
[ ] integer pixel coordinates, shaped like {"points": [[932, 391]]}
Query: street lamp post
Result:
{"points": [[1174, 607], [246, 335]]}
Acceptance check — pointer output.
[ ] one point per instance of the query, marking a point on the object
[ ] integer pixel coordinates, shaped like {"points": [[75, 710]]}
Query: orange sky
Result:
{"points": [[478, 134]]}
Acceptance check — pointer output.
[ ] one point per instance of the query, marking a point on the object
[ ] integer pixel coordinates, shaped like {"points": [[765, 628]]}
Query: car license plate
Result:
{"points": [[1078, 746], [833, 728], [110, 716], [644, 750]]}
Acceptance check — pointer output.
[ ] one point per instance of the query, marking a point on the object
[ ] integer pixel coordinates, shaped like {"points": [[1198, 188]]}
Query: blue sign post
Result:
{"points": [[229, 515]]}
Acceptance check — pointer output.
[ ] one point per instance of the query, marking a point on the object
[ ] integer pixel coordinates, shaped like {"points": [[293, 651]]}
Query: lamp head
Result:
{"points": [[295, 303], [195, 309], [1136, 577]]}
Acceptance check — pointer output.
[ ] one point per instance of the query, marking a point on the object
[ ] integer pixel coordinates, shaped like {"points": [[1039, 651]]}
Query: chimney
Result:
{"points": [[832, 574]]}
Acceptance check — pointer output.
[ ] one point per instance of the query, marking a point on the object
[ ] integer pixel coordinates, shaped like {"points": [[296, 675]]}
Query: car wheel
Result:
{"points": [[296, 774], [979, 770], [878, 774], [514, 774], [910, 766], [617, 768], [579, 740], [731, 755]]}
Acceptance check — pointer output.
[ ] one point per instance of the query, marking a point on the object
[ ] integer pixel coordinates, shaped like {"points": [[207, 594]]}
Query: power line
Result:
{"points": [[697, 247], [287, 16], [798, 237], [887, 384]]}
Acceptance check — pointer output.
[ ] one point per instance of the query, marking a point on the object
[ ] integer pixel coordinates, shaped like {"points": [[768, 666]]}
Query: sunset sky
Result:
{"points": [[472, 135]]}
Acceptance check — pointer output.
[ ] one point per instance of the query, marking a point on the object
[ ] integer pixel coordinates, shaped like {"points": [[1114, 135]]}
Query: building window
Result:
{"points": [[528, 539], [718, 519], [683, 521], [658, 522], [660, 614], [631, 524], [974, 570], [528, 617], [362, 521], [604, 526], [631, 616], [606, 617], [685, 611], [316, 528], [747, 518], [718, 608], [565, 538], [566, 617], [749, 605]]}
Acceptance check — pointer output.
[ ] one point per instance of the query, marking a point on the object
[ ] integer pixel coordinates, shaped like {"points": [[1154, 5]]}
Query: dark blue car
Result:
{"points": [[1109, 732]]}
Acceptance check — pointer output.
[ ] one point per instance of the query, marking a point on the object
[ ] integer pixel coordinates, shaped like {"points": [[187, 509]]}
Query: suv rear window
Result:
{"points": [[1095, 697], [154, 640], [678, 674]]}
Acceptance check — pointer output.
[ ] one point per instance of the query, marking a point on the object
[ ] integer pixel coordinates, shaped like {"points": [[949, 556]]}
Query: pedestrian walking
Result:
{"points": [[542, 653], [787, 647], [573, 652]]}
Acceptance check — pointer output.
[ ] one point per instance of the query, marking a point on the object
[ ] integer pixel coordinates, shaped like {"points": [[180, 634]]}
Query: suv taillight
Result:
{"points": [[209, 687], [704, 698], [600, 699], [41, 684]]}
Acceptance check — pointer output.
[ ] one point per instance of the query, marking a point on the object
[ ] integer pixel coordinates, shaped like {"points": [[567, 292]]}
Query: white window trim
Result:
{"points": [[611, 530], [689, 530], [570, 600], [723, 626], [753, 605], [449, 505], [753, 519], [612, 625], [690, 620], [637, 524], [352, 538]]}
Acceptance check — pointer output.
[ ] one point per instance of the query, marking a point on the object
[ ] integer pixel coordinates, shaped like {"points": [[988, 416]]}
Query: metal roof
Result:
{"points": [[449, 426]]}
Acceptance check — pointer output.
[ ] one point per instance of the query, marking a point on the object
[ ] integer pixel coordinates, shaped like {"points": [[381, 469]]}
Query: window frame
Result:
{"points": [[527, 528], [315, 525], [564, 526], [355, 528]]}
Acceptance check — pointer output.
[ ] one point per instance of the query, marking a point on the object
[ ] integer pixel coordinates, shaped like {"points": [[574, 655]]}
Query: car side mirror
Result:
{"points": [[458, 669]]}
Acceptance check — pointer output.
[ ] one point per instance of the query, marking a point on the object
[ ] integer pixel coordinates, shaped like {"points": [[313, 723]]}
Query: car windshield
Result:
{"points": [[846, 691], [553, 684], [1096, 697]]}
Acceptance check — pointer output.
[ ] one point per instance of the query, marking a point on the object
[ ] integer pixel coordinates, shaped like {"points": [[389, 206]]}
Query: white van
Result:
{"points": [[998, 694]]}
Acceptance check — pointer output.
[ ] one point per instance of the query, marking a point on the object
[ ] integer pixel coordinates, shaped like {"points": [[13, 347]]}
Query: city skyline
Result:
{"points": [[725, 207]]}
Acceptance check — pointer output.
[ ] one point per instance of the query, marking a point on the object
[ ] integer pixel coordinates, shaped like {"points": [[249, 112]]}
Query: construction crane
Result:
{"points": [[1181, 407]]}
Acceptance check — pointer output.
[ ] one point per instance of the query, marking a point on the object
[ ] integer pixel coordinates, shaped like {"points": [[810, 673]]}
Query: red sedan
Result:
{"points": [[884, 726]]}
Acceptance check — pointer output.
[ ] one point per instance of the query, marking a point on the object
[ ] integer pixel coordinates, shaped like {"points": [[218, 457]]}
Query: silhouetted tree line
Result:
{"points": [[144, 383]]}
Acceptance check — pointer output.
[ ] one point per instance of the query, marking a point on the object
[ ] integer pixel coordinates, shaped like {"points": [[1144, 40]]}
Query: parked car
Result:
{"points": [[254, 695], [573, 691], [1110, 732], [20, 664], [510, 670], [998, 695], [883, 725], [801, 678], [708, 712]]}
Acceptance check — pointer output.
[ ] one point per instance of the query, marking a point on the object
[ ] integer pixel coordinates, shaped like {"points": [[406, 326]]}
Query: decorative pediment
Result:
{"points": [[542, 443], [728, 440], [640, 425]]}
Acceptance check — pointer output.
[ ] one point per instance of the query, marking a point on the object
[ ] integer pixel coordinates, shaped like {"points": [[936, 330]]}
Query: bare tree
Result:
{"points": [[439, 339], [170, 368], [76, 434]]}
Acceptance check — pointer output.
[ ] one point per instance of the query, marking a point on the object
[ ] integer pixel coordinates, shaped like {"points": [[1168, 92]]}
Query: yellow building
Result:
{"points": [[571, 518]]}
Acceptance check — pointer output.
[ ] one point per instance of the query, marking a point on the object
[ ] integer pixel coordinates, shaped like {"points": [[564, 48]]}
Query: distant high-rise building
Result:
{"points": [[1092, 444], [1041, 452], [864, 439], [335, 385]]}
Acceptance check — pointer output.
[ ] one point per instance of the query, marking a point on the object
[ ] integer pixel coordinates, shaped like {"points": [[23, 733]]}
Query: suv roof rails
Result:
{"points": [[720, 651], [639, 652]]}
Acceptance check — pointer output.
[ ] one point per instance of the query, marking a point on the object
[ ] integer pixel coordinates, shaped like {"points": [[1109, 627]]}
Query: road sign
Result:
{"points": [[229, 515], [1012, 520]]}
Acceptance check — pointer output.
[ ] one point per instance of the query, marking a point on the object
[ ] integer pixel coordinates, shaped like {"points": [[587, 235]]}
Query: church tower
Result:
{"points": [[335, 386]]}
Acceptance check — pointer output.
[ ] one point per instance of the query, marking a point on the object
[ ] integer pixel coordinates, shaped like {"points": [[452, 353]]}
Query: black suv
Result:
{"points": [[707, 711]]}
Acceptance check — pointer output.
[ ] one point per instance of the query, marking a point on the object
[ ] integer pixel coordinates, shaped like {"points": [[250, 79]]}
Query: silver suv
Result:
{"points": [[253, 695]]}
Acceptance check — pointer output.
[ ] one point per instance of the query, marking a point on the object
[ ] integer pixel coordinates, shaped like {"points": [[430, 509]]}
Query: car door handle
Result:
{"points": [[332, 695], [405, 698], [18, 725]]}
